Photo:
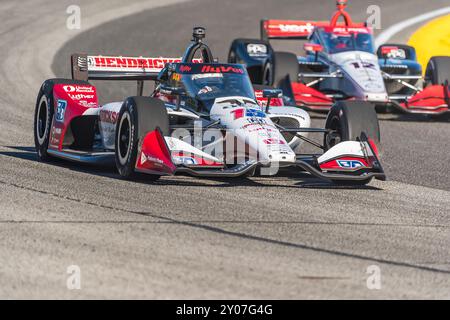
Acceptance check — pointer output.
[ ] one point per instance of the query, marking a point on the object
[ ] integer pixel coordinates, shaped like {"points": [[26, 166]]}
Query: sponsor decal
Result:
{"points": [[176, 77], [60, 110], [81, 96], [204, 90], [185, 68], [294, 28], [267, 130], [279, 148], [256, 49], [251, 113], [87, 104], [145, 158], [367, 65], [345, 30], [141, 64], [109, 116], [273, 141], [207, 75], [256, 120], [350, 164], [397, 54], [255, 113], [78, 89], [56, 134], [221, 69], [124, 63], [393, 52], [258, 123]]}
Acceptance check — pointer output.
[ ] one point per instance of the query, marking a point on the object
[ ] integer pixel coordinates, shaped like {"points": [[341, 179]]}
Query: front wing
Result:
{"points": [[349, 160]]}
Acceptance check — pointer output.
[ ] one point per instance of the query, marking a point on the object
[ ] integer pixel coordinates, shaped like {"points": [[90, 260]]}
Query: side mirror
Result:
{"points": [[313, 47], [270, 94], [172, 91]]}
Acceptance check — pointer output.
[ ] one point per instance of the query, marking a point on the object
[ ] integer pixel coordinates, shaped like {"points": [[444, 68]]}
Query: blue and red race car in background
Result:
{"points": [[342, 63]]}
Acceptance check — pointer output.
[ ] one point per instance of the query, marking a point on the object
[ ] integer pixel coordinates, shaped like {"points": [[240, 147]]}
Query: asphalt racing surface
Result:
{"points": [[281, 237]]}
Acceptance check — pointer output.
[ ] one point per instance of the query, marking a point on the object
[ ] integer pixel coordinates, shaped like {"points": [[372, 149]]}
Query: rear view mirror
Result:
{"points": [[272, 93], [313, 47], [172, 91]]}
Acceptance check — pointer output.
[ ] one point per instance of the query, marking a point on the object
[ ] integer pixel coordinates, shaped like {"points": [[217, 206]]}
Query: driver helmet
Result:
{"points": [[340, 42], [363, 40]]}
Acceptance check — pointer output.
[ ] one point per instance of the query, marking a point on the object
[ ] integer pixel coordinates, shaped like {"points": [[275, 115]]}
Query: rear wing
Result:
{"points": [[288, 29], [298, 29], [85, 67]]}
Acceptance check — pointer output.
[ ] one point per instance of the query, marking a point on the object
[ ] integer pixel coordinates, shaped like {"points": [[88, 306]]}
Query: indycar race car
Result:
{"points": [[203, 119], [341, 64]]}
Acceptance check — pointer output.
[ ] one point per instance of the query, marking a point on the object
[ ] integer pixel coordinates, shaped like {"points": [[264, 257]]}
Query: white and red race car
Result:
{"points": [[204, 119], [341, 63]]}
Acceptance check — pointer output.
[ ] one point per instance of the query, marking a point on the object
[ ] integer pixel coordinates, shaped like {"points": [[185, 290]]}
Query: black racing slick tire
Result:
{"points": [[438, 70], [348, 121], [137, 117], [281, 65], [43, 115]]}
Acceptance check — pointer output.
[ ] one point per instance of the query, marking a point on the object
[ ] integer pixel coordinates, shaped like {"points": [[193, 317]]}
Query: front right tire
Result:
{"points": [[348, 121], [438, 70]]}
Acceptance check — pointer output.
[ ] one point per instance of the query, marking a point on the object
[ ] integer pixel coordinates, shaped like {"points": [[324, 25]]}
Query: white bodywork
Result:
{"points": [[363, 68], [108, 114], [258, 137], [256, 129], [352, 148], [253, 128]]}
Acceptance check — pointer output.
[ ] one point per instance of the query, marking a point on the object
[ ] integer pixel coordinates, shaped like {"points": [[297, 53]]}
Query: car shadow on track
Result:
{"points": [[293, 179]]}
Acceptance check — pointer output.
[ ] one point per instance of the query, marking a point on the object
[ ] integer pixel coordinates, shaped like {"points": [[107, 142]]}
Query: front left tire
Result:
{"points": [[43, 115], [137, 117]]}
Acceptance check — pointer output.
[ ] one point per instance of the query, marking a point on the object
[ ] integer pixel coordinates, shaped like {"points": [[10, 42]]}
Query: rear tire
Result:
{"points": [[281, 65], [43, 115], [137, 117], [349, 120], [438, 70]]}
